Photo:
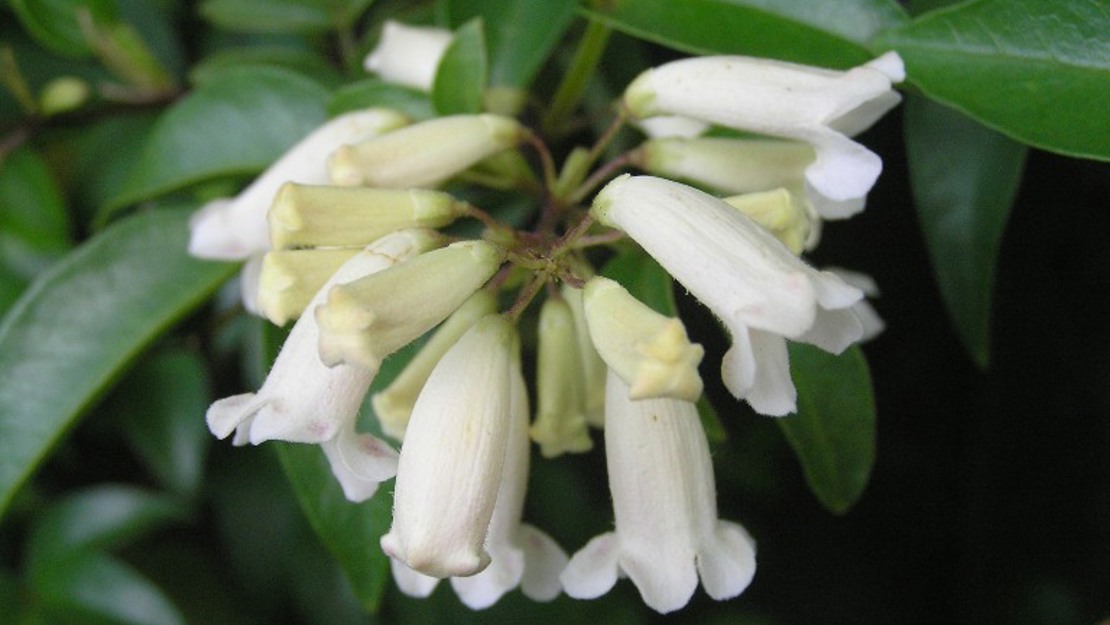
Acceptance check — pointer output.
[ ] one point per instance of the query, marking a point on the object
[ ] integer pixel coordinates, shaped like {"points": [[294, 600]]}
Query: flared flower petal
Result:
{"points": [[820, 107], [408, 55], [306, 402], [664, 500], [736, 268], [450, 469], [236, 228]]}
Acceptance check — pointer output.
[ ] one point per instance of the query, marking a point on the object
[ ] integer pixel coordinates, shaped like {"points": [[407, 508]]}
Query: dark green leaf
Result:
{"points": [[964, 178], [461, 77], [238, 122], [161, 407], [833, 434], [520, 33], [1037, 71], [827, 34], [82, 322], [107, 153], [302, 61], [651, 284], [34, 226], [54, 23], [372, 92], [96, 588], [96, 519], [269, 16]]}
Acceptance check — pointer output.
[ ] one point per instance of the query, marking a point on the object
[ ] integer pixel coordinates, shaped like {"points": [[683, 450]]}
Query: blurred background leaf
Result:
{"points": [[461, 77]]}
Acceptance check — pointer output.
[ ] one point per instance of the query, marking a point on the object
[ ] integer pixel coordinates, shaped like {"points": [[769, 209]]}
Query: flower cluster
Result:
{"points": [[350, 235]]}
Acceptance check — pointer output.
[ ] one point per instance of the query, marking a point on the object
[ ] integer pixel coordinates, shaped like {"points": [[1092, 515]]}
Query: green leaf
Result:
{"points": [[81, 323], [648, 282], [833, 434], [520, 33], [269, 16], [1037, 71], [302, 61], [97, 519], [54, 23], [238, 122], [827, 34], [461, 76], [99, 589], [106, 154], [160, 406], [372, 92], [34, 225], [963, 205]]}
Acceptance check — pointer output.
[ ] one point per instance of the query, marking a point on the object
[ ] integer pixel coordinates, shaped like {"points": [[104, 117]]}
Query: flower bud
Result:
{"points": [[393, 406], [780, 212], [364, 321], [289, 279], [728, 165], [450, 468], [311, 216], [560, 425], [593, 367], [649, 351], [424, 154]]}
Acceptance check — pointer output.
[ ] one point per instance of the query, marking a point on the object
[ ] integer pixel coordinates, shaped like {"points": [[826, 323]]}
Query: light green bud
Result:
{"points": [[781, 212], [63, 94], [560, 426], [727, 165], [593, 367], [289, 279], [364, 321], [649, 351], [310, 216]]}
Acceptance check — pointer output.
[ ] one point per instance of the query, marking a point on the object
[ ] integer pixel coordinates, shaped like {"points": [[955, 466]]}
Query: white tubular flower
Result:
{"points": [[743, 274], [303, 401], [818, 106], [394, 404], [649, 351], [593, 367], [560, 425], [236, 228], [326, 216], [665, 504], [451, 462], [424, 154], [408, 55], [365, 320]]}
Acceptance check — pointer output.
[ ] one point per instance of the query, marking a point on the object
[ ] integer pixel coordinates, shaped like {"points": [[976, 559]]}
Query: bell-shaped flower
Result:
{"points": [[746, 276], [393, 405], [451, 463], [593, 367], [304, 401], [424, 154], [649, 351], [236, 228], [665, 503], [818, 106], [560, 425], [520, 554], [408, 55], [741, 166], [365, 320], [327, 216]]}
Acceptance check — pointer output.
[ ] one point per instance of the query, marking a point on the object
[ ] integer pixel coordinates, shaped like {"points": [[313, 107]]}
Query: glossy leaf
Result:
{"points": [[964, 178], [34, 225], [302, 61], [82, 322], [55, 25], [826, 34], [651, 284], [97, 519], [462, 73], [269, 16], [1037, 71], [160, 407], [833, 433], [238, 122], [96, 588], [106, 155], [520, 33], [372, 92]]}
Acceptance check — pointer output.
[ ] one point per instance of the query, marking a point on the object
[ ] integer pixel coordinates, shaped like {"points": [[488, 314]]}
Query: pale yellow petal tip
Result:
{"points": [[393, 413], [343, 167], [343, 339], [604, 200], [639, 97], [420, 558], [670, 366], [560, 434]]}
